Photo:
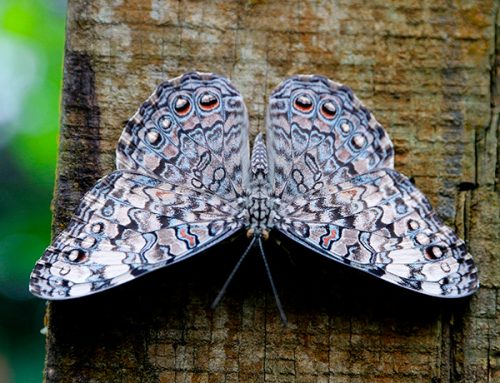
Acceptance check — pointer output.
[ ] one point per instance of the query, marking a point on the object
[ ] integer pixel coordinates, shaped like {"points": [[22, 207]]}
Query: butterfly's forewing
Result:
{"points": [[364, 214], [382, 224], [183, 161], [129, 224], [319, 133], [193, 130]]}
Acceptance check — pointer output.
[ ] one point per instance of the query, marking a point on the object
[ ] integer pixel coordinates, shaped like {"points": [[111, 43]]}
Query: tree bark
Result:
{"points": [[429, 72]]}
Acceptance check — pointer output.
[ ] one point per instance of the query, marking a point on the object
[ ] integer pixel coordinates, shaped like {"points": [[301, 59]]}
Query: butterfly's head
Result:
{"points": [[262, 233]]}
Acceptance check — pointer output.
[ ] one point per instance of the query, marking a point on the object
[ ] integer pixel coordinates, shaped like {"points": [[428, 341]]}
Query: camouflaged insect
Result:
{"points": [[185, 181]]}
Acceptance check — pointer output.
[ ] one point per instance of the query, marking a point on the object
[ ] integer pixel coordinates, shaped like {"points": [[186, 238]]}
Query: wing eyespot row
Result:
{"points": [[76, 256], [182, 105], [328, 110], [303, 103], [208, 101]]}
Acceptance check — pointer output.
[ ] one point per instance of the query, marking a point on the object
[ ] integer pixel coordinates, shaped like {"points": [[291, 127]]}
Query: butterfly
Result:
{"points": [[186, 180]]}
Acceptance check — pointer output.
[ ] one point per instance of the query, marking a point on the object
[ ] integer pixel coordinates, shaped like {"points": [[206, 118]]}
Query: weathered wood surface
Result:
{"points": [[428, 69]]}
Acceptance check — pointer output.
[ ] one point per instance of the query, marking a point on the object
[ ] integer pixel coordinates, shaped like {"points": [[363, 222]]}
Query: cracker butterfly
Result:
{"points": [[186, 180]]}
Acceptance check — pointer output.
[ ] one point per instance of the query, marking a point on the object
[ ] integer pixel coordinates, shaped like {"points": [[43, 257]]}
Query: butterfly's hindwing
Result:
{"points": [[318, 134], [193, 130]]}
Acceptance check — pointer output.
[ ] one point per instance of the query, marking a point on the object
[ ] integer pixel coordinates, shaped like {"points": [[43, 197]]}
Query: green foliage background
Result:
{"points": [[31, 53]]}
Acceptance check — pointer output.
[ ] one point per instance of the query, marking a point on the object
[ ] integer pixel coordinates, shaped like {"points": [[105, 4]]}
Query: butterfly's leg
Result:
{"points": [[275, 292], [228, 280]]}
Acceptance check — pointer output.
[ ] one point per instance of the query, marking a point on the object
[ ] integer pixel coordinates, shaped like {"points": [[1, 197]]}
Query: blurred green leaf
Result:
{"points": [[28, 155], [29, 159]]}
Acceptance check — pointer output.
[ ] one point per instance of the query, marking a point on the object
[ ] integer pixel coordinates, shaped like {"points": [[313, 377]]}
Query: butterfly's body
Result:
{"points": [[260, 203], [185, 181]]}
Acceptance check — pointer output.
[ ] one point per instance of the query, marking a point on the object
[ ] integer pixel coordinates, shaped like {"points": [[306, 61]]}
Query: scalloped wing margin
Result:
{"points": [[382, 224]]}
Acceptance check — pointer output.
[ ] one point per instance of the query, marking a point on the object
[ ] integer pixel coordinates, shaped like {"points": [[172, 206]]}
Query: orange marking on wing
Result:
{"points": [[191, 239], [331, 237], [352, 193], [160, 193]]}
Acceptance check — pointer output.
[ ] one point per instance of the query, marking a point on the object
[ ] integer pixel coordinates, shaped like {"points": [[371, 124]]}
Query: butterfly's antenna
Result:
{"points": [[228, 280], [275, 292]]}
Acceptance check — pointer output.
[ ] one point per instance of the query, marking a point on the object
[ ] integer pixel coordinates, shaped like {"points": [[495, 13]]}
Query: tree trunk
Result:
{"points": [[427, 69]]}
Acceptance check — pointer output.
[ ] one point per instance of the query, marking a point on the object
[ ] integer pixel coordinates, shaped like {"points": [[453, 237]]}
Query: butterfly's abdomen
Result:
{"points": [[259, 209]]}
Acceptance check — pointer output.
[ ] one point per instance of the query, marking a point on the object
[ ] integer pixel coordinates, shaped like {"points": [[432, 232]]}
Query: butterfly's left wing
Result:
{"points": [[129, 224], [183, 169]]}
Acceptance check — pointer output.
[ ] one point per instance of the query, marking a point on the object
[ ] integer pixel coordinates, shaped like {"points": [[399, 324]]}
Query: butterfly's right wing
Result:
{"points": [[193, 130], [127, 225], [331, 167]]}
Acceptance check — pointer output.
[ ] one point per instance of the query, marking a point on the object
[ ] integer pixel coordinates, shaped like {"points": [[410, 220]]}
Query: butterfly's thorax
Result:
{"points": [[260, 205]]}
